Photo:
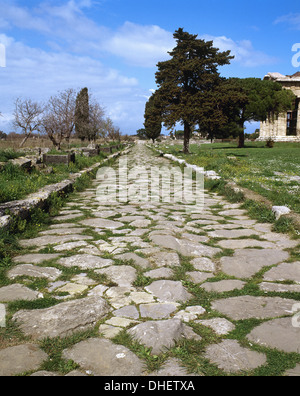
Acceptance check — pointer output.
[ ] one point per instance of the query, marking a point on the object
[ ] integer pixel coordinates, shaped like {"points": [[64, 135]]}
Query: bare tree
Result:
{"points": [[27, 116], [96, 113], [59, 119]]}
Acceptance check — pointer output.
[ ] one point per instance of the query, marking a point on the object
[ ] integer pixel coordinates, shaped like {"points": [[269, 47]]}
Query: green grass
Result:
{"points": [[261, 169], [16, 183]]}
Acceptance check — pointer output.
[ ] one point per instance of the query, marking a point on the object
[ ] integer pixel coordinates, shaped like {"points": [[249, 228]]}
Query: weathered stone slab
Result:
{"points": [[223, 286], [18, 292], [165, 259], [184, 246], [157, 310], [63, 319], [129, 311], [34, 258], [172, 368], [220, 326], [168, 291], [245, 243], [284, 272], [198, 276], [160, 273], [122, 275], [102, 223], [52, 240], [140, 261], [232, 234], [247, 307], [158, 335], [247, 262], [2, 315], [103, 358], [85, 261], [203, 264], [231, 357], [33, 271], [19, 359], [277, 333], [279, 287]]}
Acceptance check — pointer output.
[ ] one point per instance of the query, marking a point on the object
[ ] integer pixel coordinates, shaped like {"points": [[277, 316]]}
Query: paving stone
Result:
{"points": [[198, 276], [190, 313], [172, 368], [245, 243], [52, 240], [140, 261], [277, 333], [279, 287], [102, 223], [184, 246], [130, 311], [101, 357], [158, 335], [223, 286], [220, 326], [247, 307], [169, 291], [62, 231], [157, 310], [160, 273], [33, 271], [72, 289], [165, 259], [34, 258], [63, 319], [19, 359], [203, 264], [69, 246], [122, 275], [284, 272], [120, 322], [108, 331], [85, 261], [247, 262], [232, 358], [17, 292]]}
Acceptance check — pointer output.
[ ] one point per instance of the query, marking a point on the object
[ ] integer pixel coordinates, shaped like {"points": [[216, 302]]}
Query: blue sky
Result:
{"points": [[112, 46]]}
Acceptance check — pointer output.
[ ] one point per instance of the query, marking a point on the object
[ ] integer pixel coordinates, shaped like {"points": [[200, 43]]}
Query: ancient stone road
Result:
{"points": [[159, 272]]}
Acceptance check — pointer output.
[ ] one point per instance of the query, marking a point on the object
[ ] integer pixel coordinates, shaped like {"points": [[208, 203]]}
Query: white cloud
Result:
{"points": [[292, 19], [141, 45], [37, 74], [243, 51]]}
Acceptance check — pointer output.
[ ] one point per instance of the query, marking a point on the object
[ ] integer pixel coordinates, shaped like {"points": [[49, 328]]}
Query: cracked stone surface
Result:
{"points": [[154, 270]]}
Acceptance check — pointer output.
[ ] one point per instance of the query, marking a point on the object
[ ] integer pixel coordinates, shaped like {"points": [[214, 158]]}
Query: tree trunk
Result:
{"points": [[24, 140], [241, 139], [187, 135]]}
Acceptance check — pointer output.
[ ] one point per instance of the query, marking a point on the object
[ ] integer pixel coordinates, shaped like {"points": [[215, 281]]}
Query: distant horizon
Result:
{"points": [[112, 47]]}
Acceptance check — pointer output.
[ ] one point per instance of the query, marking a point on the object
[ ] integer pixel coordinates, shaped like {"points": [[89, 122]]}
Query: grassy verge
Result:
{"points": [[16, 183], [273, 173]]}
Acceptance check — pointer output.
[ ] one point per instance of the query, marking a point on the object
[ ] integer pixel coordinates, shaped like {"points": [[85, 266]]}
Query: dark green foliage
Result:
{"points": [[153, 118], [82, 114], [187, 80]]}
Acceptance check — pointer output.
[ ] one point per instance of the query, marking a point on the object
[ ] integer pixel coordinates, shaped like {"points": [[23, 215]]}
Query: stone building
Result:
{"points": [[287, 127]]}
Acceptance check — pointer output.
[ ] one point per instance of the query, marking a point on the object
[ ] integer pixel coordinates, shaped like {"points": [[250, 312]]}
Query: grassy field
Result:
{"points": [[16, 183], [272, 172]]}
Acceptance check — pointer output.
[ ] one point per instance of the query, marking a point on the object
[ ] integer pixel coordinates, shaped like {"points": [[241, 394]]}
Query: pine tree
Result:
{"points": [[185, 80]]}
